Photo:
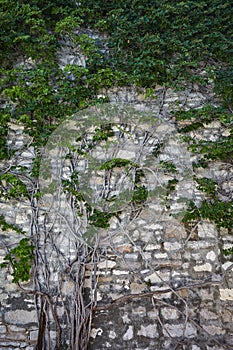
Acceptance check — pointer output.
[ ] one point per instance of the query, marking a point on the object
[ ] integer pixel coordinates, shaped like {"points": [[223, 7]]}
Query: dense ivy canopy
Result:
{"points": [[169, 43]]}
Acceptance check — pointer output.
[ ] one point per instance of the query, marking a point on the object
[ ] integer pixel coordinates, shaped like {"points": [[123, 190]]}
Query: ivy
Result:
{"points": [[103, 133], [227, 252], [37, 93], [100, 219], [20, 260], [207, 185], [140, 194], [6, 226], [12, 187], [168, 166], [116, 163], [221, 213]]}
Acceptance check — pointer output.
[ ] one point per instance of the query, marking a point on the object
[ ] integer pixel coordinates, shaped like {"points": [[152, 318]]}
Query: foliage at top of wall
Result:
{"points": [[162, 42], [170, 43], [149, 43]]}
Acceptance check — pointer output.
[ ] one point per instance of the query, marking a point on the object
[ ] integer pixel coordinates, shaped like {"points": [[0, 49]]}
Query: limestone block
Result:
{"points": [[150, 247], [170, 313], [175, 232], [153, 314], [112, 335], [200, 245], [208, 315], [158, 277], [33, 335], [137, 287], [96, 332], [211, 256], [120, 272], [214, 330], [125, 318], [2, 328], [139, 311], [226, 294], [160, 256], [106, 264], [131, 256], [21, 317], [14, 344], [172, 246], [227, 316], [129, 334], [207, 230], [177, 330], [149, 331], [204, 267], [126, 154]]}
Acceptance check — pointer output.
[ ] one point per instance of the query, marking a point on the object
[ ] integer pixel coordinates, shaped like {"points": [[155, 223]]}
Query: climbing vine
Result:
{"points": [[148, 43]]}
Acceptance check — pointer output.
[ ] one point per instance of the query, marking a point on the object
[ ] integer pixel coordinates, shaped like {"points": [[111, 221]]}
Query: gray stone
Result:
{"points": [[207, 230], [149, 331], [12, 328], [2, 328], [13, 343], [178, 330], [170, 313], [33, 335], [172, 246], [214, 330], [21, 317]]}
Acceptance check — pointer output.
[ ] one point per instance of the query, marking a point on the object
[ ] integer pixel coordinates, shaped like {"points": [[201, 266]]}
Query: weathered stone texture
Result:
{"points": [[183, 301]]}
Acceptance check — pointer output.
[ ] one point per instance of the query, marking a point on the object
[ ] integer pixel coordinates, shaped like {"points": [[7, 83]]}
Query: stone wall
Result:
{"points": [[159, 284]]}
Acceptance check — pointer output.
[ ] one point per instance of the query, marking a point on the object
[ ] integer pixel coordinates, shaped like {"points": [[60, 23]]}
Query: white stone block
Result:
{"points": [[172, 246], [211, 256], [106, 264], [204, 267], [207, 230], [129, 334], [226, 294]]}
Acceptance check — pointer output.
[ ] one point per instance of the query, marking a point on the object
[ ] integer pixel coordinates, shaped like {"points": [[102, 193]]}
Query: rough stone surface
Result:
{"points": [[173, 271]]}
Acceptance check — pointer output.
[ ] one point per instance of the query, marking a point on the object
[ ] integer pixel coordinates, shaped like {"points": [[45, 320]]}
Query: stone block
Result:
{"points": [[160, 255], [214, 330], [211, 256], [106, 264], [207, 230], [172, 246], [208, 315], [178, 330], [21, 317], [139, 311], [203, 268], [151, 247], [170, 313], [227, 316], [129, 334], [131, 256], [13, 328], [137, 287], [2, 328], [158, 277], [226, 294], [33, 335], [149, 331]]}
